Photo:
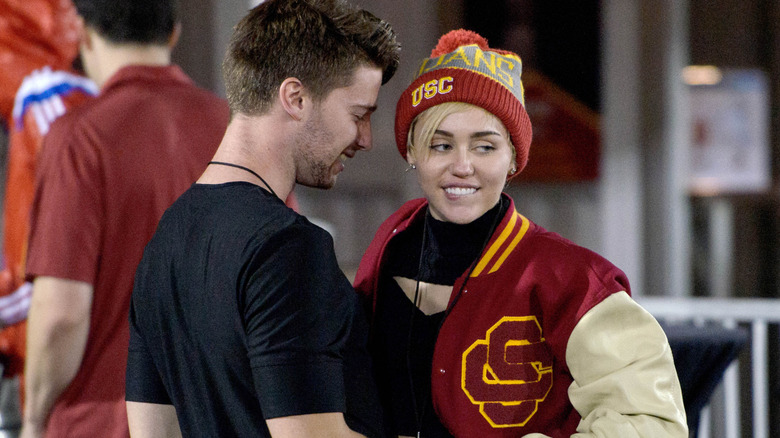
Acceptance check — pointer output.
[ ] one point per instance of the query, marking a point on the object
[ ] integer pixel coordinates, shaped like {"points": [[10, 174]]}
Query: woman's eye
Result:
{"points": [[485, 148], [441, 147]]}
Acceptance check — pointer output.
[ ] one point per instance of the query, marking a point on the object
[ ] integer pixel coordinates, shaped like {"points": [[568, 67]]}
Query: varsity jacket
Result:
{"points": [[542, 339]]}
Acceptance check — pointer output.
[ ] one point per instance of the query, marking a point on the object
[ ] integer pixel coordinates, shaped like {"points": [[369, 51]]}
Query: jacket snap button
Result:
{"points": [[441, 370]]}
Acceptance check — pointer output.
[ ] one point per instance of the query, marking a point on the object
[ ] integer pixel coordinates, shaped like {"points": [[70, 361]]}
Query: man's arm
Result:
{"points": [[325, 425], [149, 420], [299, 314], [58, 325]]}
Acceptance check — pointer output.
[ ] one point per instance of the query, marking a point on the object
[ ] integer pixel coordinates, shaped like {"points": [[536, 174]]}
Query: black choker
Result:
{"points": [[222, 163]]}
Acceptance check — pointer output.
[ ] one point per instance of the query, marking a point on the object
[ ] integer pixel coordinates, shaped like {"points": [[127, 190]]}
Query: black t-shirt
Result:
{"points": [[240, 313]]}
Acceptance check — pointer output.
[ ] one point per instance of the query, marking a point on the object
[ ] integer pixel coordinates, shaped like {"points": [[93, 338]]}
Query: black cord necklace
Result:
{"points": [[420, 411], [237, 166]]}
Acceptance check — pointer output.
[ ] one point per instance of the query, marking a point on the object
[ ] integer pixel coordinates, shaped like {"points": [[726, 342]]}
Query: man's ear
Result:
{"points": [[85, 36], [173, 39], [294, 97]]}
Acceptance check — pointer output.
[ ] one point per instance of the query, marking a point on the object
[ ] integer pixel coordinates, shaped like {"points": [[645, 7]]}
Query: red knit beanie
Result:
{"points": [[462, 68]]}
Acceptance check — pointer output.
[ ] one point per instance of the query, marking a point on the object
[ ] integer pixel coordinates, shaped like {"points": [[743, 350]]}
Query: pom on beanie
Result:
{"points": [[463, 68], [449, 42]]}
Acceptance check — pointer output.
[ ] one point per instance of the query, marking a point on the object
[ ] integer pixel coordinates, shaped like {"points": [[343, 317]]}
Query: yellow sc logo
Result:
{"points": [[431, 88], [508, 373]]}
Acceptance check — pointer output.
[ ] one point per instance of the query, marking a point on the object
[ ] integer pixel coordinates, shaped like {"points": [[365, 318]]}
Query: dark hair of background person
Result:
{"points": [[319, 42], [130, 21]]}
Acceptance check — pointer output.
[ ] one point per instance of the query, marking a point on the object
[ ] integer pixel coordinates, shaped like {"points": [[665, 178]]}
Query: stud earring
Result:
{"points": [[512, 172], [411, 167]]}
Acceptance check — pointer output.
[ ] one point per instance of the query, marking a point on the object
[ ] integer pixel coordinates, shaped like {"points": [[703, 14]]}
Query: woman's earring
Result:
{"points": [[411, 167], [512, 172]]}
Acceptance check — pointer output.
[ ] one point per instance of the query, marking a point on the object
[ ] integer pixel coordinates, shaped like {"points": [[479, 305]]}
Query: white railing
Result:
{"points": [[758, 313]]}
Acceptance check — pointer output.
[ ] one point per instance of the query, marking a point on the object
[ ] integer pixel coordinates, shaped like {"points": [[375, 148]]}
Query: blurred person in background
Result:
{"points": [[107, 171], [38, 46]]}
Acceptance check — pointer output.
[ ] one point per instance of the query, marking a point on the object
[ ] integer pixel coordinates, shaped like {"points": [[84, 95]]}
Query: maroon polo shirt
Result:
{"points": [[108, 170]]}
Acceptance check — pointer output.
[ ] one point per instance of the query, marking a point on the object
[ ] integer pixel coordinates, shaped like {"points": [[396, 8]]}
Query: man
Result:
{"points": [[36, 87], [108, 169], [45, 95], [241, 322]]}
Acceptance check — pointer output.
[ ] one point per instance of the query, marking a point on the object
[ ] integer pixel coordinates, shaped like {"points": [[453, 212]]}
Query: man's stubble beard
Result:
{"points": [[312, 171]]}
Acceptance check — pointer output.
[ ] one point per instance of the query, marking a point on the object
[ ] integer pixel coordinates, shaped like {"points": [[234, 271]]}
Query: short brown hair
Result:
{"points": [[319, 42], [131, 21]]}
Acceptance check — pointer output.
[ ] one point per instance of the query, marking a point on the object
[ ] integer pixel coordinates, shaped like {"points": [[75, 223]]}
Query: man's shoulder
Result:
{"points": [[90, 111], [109, 113], [238, 205], [274, 225], [66, 128], [185, 95], [240, 215], [152, 86]]}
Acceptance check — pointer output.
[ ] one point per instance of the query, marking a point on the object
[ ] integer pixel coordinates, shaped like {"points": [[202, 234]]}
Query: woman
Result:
{"points": [[484, 323]]}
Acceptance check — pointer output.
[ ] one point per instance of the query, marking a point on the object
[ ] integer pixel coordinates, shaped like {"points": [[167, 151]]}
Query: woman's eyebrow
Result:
{"points": [[477, 134]]}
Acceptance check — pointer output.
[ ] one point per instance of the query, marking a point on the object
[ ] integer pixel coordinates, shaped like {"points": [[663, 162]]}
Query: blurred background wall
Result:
{"points": [[620, 61]]}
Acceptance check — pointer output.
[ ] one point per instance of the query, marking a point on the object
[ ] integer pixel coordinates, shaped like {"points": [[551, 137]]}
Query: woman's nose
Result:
{"points": [[462, 165]]}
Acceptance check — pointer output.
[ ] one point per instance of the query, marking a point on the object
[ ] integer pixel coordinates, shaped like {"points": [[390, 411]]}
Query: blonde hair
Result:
{"points": [[430, 119]]}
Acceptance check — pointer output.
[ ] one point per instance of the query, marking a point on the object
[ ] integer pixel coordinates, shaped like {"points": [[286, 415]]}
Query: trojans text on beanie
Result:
{"points": [[462, 68]]}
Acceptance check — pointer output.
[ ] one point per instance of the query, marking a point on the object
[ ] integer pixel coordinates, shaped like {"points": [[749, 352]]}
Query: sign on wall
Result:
{"points": [[729, 115]]}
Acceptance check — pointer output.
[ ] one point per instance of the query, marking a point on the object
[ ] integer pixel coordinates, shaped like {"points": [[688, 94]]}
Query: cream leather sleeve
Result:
{"points": [[625, 384]]}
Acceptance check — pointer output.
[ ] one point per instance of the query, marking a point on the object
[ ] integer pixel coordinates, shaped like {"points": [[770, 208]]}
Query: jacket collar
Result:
{"points": [[510, 231]]}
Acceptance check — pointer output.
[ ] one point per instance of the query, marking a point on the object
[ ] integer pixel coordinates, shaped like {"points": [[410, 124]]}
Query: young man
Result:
{"points": [[241, 322], [37, 85], [108, 170]]}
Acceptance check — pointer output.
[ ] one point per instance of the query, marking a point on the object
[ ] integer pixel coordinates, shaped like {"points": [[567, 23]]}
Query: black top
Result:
{"points": [[403, 339], [240, 313]]}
